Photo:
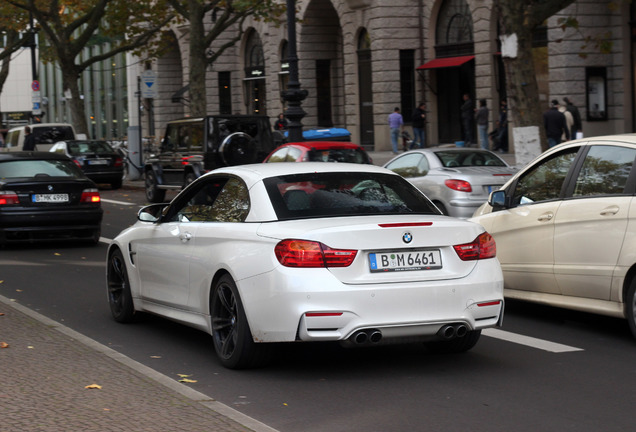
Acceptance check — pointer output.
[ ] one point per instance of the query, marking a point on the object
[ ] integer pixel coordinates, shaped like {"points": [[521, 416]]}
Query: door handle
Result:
{"points": [[185, 237], [545, 217], [610, 211]]}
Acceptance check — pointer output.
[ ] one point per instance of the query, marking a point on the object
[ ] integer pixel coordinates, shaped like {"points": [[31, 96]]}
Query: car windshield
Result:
{"points": [[83, 147], [38, 169], [344, 194], [338, 155], [454, 158]]}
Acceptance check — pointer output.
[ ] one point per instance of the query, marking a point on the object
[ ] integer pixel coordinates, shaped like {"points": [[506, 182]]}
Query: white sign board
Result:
{"points": [[148, 84]]}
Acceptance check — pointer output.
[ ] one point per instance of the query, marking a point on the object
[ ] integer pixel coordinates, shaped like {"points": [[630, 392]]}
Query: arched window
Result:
{"points": [[454, 34], [254, 81]]}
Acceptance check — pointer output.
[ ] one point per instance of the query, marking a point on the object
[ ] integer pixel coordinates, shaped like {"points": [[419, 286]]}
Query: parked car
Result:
{"points": [[457, 180], [266, 253], [565, 228], [319, 151], [45, 196], [193, 146], [99, 161], [44, 135]]}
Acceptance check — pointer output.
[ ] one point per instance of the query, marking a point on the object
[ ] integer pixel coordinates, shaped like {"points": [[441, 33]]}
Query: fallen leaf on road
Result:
{"points": [[4, 345], [93, 386], [156, 357], [184, 376], [1, 313], [57, 254], [185, 380]]}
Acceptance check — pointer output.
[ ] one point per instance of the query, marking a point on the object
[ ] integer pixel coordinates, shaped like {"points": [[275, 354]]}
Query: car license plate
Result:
{"points": [[49, 198], [405, 261], [98, 162]]}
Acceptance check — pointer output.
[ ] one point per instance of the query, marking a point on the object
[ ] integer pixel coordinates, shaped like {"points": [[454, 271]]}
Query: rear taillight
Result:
{"points": [[118, 162], [458, 185], [8, 198], [481, 248], [77, 163], [304, 253], [90, 196]]}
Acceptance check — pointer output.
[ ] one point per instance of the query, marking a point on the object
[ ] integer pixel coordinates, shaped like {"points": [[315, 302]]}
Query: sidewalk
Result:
{"points": [[45, 369]]}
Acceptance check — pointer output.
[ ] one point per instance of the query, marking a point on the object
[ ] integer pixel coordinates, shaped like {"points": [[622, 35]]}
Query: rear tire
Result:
{"points": [[231, 333], [153, 193], [457, 345], [119, 295]]}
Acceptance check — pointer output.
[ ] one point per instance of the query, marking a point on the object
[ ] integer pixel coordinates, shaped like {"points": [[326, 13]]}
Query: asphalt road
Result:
{"points": [[547, 370]]}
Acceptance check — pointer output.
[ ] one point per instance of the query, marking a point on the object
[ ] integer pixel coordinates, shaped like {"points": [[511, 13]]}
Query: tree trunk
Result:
{"points": [[70, 81], [198, 61]]}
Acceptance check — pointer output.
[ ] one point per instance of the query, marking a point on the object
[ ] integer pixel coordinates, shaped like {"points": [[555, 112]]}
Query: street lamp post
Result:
{"points": [[293, 95]]}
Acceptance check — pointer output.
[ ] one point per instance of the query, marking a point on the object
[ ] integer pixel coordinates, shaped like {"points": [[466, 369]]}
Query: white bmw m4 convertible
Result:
{"points": [[269, 253]]}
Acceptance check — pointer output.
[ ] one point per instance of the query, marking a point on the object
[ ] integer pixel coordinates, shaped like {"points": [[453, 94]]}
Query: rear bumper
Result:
{"points": [[26, 226], [318, 307]]}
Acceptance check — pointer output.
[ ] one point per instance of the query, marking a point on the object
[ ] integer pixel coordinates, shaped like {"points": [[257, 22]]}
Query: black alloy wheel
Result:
{"points": [[233, 340], [119, 295]]}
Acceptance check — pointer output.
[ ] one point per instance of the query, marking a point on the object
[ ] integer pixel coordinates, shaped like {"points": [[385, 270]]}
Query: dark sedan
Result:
{"points": [[97, 159], [45, 196]]}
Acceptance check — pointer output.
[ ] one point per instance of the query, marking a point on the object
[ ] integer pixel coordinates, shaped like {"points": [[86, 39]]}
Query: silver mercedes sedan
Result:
{"points": [[457, 180]]}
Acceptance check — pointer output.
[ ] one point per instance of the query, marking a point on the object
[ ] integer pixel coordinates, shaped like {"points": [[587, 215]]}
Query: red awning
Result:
{"points": [[446, 62]]}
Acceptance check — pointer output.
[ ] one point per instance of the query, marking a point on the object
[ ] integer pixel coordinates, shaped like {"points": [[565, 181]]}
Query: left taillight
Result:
{"points": [[458, 185], [308, 254], [119, 161], [8, 198], [482, 247], [90, 196]]}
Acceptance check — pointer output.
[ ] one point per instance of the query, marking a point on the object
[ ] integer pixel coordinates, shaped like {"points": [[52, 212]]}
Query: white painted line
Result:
{"points": [[529, 341], [120, 202]]}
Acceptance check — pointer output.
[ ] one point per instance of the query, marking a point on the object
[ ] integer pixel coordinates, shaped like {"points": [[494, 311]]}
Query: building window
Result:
{"points": [[254, 75], [225, 93], [454, 35], [596, 90], [407, 83], [323, 92]]}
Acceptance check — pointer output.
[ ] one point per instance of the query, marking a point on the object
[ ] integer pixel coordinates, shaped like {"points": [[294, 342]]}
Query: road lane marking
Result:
{"points": [[530, 341], [119, 202]]}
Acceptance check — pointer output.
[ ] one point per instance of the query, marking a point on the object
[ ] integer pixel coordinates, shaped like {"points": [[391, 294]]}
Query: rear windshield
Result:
{"points": [[469, 158], [39, 169], [52, 134], [83, 147], [338, 155], [344, 194]]}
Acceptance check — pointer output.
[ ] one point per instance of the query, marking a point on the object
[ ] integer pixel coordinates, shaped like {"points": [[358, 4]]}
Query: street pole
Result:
{"points": [[293, 95], [32, 45]]}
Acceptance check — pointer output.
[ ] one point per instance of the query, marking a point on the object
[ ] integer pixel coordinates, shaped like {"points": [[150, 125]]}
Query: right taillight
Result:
{"points": [[308, 254], [481, 248], [9, 198], [90, 196]]}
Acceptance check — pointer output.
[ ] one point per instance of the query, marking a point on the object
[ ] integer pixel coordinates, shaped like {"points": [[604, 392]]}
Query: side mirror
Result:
{"points": [[151, 213], [497, 199]]}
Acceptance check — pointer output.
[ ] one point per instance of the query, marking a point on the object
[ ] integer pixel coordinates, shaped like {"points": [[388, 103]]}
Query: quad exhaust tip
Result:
{"points": [[452, 331], [370, 336]]}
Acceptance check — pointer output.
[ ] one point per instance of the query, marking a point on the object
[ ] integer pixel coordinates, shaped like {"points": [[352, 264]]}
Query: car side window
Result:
{"points": [[218, 200], [279, 155], [411, 165], [604, 171], [544, 181], [293, 154]]}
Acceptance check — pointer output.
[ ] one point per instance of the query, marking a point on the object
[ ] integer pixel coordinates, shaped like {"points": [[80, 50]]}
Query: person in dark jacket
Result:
{"points": [[419, 126], [29, 140], [468, 119], [555, 124], [576, 115]]}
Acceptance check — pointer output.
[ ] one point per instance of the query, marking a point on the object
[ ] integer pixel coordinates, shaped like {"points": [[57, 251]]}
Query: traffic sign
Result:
{"points": [[35, 85], [148, 85]]}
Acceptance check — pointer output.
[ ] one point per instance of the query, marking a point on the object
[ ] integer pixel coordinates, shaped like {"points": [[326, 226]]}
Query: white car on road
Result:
{"points": [[565, 228], [288, 252]]}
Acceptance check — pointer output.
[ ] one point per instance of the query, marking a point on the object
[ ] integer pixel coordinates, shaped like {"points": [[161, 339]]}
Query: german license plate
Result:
{"points": [[405, 261], [98, 162], [50, 198]]}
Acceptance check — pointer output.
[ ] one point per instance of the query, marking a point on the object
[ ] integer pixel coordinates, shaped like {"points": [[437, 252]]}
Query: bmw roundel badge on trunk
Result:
{"points": [[407, 237]]}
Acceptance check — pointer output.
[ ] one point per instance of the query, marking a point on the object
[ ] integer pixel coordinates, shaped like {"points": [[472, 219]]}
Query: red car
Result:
{"points": [[320, 151]]}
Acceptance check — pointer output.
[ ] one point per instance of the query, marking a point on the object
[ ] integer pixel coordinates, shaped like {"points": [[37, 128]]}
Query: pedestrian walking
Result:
{"points": [[555, 124], [576, 116], [569, 121], [419, 126], [281, 122], [396, 125], [481, 117], [501, 134], [468, 119], [29, 140]]}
